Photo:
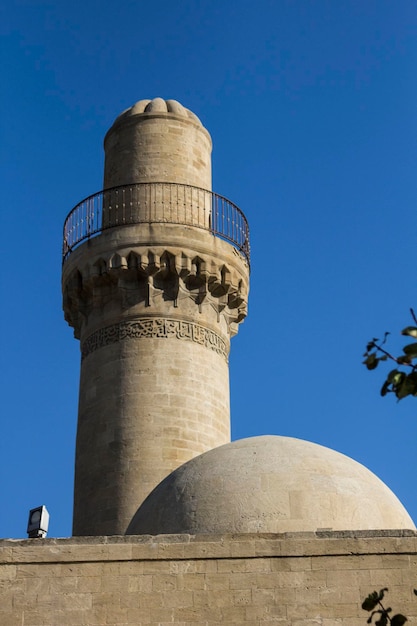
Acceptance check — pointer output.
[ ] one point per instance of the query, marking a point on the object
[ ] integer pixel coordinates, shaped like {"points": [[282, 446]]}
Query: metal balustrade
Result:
{"points": [[169, 203]]}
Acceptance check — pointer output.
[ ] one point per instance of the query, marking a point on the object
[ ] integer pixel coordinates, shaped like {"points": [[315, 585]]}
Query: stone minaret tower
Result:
{"points": [[155, 282]]}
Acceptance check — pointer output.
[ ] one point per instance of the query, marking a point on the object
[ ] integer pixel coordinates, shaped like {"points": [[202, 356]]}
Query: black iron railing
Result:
{"points": [[169, 203]]}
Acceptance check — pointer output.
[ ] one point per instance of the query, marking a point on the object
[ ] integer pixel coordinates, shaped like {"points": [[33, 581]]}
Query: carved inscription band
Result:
{"points": [[155, 327]]}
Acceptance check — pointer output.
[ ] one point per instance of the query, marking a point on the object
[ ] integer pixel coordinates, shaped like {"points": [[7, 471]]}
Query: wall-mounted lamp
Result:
{"points": [[38, 522]]}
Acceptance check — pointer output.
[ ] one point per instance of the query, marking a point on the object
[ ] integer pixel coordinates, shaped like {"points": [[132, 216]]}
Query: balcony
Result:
{"points": [[147, 203]]}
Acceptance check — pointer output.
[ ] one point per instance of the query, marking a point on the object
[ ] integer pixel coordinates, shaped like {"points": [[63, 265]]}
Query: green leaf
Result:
{"points": [[371, 362], [392, 374], [395, 377], [407, 387], [381, 593], [411, 350], [371, 601], [411, 331], [385, 389], [402, 391], [404, 360], [398, 620]]}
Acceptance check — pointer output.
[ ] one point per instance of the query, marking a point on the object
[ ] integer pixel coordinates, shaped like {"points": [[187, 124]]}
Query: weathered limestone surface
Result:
{"points": [[297, 579], [156, 141], [166, 417], [270, 484], [154, 300], [155, 324]]}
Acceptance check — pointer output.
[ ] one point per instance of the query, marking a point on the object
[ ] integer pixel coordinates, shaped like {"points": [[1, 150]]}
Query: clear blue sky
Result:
{"points": [[312, 111]]}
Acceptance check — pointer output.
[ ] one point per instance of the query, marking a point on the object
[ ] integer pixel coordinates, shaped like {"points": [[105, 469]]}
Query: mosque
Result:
{"points": [[174, 523]]}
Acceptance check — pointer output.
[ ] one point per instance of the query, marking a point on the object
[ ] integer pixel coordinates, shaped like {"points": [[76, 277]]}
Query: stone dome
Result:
{"points": [[158, 106], [269, 484]]}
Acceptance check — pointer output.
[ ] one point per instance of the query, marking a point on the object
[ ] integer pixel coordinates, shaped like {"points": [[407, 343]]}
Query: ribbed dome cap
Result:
{"points": [[269, 484], [158, 105]]}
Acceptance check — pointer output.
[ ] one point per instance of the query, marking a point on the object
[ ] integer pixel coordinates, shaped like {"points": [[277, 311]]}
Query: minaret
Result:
{"points": [[155, 282]]}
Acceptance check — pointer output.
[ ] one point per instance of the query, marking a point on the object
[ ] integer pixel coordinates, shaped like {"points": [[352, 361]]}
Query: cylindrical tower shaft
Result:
{"points": [[154, 298], [142, 147]]}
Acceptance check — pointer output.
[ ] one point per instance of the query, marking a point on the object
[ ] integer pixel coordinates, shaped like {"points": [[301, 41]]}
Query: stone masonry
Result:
{"points": [[154, 299], [299, 579], [155, 284]]}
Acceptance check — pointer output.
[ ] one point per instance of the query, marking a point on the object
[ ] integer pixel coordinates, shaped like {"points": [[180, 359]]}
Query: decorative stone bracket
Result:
{"points": [[145, 279]]}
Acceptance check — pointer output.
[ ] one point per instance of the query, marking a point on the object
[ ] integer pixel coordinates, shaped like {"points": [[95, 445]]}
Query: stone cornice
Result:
{"points": [[151, 279], [238, 546]]}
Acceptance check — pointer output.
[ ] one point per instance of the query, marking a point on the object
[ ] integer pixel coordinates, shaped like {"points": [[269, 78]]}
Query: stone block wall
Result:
{"points": [[170, 412], [300, 579], [160, 147]]}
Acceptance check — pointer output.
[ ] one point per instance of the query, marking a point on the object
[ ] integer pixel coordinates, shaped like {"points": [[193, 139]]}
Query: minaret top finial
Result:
{"points": [[157, 141], [157, 106]]}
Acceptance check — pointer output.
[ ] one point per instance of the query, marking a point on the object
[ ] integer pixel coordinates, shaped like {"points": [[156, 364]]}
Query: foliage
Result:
{"points": [[381, 614], [402, 380]]}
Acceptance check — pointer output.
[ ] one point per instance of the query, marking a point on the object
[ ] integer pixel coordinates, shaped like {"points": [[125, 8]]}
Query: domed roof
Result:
{"points": [[269, 484], [157, 106]]}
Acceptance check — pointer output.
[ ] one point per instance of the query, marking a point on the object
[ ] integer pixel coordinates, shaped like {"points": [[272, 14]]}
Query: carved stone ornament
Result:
{"points": [[155, 328]]}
